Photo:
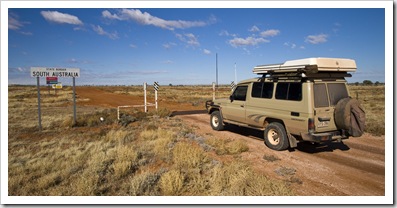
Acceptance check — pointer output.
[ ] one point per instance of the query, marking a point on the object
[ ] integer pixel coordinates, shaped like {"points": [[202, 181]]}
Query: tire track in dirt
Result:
{"points": [[355, 167]]}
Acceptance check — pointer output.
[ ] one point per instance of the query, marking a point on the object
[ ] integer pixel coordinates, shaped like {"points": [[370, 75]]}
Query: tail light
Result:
{"points": [[310, 125]]}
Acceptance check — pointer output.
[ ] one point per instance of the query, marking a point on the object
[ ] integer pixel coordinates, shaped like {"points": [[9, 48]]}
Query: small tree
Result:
{"points": [[367, 82]]}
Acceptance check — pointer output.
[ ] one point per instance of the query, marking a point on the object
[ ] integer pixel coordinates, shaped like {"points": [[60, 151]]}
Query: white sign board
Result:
{"points": [[54, 72]]}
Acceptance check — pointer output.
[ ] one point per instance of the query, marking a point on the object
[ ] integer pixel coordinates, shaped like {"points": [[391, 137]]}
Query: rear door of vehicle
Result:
{"points": [[326, 96]]}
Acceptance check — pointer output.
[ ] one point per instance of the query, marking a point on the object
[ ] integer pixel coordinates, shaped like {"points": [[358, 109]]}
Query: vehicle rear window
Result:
{"points": [[320, 96], [262, 90], [289, 91], [336, 91]]}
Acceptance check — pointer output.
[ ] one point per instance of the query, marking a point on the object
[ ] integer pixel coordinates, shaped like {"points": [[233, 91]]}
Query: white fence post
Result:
{"points": [[144, 92]]}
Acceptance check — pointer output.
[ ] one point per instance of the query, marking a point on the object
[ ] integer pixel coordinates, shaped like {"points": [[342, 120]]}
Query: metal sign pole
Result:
{"points": [[38, 100], [74, 102], [144, 92], [213, 91]]}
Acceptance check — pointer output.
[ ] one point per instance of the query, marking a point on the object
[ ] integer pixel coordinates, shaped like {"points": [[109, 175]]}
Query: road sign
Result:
{"points": [[232, 85], [54, 72], [52, 80], [156, 86], [57, 86]]}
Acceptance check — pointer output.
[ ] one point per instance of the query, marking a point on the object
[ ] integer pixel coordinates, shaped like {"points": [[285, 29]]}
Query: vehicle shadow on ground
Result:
{"points": [[324, 147], [302, 146]]}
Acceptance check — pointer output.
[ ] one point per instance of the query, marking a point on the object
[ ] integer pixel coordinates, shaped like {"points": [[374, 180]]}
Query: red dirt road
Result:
{"points": [[355, 167]]}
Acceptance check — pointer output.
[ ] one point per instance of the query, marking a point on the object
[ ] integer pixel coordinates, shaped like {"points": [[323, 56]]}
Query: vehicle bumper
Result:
{"points": [[324, 136]]}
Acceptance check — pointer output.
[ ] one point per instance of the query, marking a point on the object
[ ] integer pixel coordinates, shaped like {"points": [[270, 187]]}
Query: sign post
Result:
{"points": [[156, 87], [38, 101], [54, 73], [74, 103]]}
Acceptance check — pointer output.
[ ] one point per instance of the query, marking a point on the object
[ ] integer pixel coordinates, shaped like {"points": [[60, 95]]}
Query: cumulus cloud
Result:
{"points": [[249, 41], [206, 51], [254, 29], [188, 38], [316, 39], [145, 18], [61, 18], [100, 31], [270, 33]]}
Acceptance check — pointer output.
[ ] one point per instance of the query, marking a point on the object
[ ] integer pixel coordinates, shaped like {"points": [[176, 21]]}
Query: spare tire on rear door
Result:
{"points": [[350, 116]]}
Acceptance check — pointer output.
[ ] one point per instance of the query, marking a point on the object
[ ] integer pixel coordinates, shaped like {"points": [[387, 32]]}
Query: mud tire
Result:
{"points": [[276, 137], [216, 121], [350, 116]]}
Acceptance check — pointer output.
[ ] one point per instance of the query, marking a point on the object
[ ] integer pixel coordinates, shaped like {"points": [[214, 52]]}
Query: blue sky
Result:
{"points": [[129, 46]]}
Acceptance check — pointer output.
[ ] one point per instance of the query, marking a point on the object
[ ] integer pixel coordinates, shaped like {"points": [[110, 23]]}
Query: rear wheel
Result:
{"points": [[216, 121], [276, 137]]}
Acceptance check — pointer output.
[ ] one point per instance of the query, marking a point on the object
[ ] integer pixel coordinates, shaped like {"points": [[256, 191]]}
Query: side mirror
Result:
{"points": [[231, 98]]}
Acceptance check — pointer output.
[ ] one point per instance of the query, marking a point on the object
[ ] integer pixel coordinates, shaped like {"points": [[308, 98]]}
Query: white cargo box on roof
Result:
{"points": [[309, 65]]}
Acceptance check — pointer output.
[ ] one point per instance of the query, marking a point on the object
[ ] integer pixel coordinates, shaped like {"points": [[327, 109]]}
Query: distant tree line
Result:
{"points": [[369, 83]]}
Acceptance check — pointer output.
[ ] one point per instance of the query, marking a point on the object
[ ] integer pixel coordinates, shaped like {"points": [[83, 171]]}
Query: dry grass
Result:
{"points": [[155, 155], [372, 99]]}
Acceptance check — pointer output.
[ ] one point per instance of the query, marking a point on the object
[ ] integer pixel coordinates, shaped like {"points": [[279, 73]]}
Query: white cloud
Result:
{"points": [[100, 31], [169, 45], [235, 42], [188, 38], [226, 33], [206, 51], [14, 24], [316, 39], [290, 45], [254, 29], [133, 46], [270, 33], [145, 18], [61, 18]]}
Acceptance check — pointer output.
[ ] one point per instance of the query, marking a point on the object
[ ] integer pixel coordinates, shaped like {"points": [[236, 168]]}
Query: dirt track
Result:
{"points": [[353, 168]]}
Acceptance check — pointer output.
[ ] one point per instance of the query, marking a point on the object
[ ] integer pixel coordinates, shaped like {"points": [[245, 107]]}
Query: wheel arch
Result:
{"points": [[293, 142]]}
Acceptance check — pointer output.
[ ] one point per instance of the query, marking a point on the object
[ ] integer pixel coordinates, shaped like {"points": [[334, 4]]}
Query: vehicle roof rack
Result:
{"points": [[308, 67]]}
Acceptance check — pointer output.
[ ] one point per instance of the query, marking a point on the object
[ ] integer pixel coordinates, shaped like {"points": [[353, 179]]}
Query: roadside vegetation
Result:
{"points": [[144, 154], [153, 155]]}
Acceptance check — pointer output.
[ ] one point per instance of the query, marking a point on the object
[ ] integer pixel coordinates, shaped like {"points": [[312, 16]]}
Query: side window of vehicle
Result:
{"points": [[289, 91], [262, 90], [267, 90], [295, 91], [240, 93], [256, 89]]}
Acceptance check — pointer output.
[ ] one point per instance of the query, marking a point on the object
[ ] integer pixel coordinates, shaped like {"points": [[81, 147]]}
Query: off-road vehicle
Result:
{"points": [[299, 100]]}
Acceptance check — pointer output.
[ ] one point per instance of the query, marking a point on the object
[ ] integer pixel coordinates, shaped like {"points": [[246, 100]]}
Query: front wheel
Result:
{"points": [[216, 121], [276, 137]]}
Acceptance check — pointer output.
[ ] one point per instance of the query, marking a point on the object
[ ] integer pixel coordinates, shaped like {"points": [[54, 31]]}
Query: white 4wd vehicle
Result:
{"points": [[299, 100]]}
